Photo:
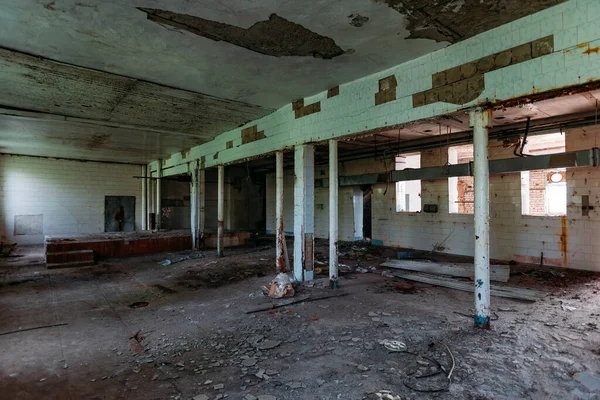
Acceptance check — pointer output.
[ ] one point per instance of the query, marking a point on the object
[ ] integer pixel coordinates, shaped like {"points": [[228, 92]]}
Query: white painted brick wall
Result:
{"points": [[513, 236], [69, 194]]}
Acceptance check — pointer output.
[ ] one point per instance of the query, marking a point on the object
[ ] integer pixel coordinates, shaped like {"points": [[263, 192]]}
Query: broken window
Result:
{"points": [[408, 193], [461, 196], [544, 192]]}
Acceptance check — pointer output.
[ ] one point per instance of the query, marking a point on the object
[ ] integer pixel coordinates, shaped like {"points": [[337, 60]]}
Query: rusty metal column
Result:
{"points": [[220, 209], [144, 198], [304, 210], [194, 207], [279, 228], [202, 201], [481, 122], [158, 194], [333, 212]]}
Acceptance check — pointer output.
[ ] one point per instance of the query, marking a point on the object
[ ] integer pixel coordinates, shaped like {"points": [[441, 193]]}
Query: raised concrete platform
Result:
{"points": [[67, 248]]}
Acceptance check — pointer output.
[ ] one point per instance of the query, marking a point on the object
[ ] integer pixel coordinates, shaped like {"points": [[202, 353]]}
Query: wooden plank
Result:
{"points": [[498, 273], [498, 291]]}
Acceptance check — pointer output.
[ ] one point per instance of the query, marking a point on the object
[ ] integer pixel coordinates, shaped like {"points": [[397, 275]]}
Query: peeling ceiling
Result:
{"points": [[201, 68]]}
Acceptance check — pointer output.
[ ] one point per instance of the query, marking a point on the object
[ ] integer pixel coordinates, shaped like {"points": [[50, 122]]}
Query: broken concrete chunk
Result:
{"points": [[201, 397], [218, 386], [590, 381]]}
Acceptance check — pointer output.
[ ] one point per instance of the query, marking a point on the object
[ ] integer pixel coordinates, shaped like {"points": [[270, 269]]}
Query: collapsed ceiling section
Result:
{"points": [[456, 20], [274, 37]]}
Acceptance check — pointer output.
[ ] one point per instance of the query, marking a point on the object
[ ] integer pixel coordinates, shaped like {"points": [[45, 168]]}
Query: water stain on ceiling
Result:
{"points": [[456, 20], [276, 36]]}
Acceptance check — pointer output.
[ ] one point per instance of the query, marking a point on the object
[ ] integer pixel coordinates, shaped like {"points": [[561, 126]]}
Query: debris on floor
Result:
{"points": [[498, 273], [499, 291], [280, 287]]}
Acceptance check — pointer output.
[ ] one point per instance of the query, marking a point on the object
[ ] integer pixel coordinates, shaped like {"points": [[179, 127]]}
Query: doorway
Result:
{"points": [[119, 213]]}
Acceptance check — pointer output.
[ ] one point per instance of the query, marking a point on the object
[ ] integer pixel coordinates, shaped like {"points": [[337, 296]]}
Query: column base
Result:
{"points": [[482, 322]]}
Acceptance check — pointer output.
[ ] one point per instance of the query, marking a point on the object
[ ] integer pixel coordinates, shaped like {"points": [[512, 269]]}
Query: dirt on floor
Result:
{"points": [[141, 329]]}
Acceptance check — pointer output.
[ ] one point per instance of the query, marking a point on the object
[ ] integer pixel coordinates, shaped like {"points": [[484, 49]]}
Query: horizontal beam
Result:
{"points": [[573, 159]]}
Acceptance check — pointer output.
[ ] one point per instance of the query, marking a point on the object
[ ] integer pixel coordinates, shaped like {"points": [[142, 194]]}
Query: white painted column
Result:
{"points": [[333, 211], [202, 201], [220, 209], [304, 211], [481, 122], [279, 228], [194, 206], [149, 196], [144, 199], [158, 194]]}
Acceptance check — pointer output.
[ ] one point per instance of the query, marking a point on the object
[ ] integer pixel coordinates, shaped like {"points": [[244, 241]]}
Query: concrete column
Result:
{"points": [[220, 209], [149, 196], [481, 122], [194, 206], [158, 194], [202, 201], [333, 210], [304, 211], [144, 199], [279, 228]]}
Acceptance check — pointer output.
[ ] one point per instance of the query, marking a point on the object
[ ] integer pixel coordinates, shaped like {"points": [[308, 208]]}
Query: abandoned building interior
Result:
{"points": [[299, 200]]}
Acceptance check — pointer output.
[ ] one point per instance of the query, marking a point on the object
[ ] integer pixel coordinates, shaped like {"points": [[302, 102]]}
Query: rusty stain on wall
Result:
{"points": [[464, 83], [276, 36], [563, 238], [97, 140], [252, 134], [592, 50], [307, 110]]}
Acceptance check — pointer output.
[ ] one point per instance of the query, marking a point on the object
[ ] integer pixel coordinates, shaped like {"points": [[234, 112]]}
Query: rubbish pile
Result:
{"points": [[280, 287]]}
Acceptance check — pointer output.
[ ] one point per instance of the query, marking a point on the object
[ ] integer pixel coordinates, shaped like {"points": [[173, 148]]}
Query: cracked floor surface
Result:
{"points": [[194, 337]]}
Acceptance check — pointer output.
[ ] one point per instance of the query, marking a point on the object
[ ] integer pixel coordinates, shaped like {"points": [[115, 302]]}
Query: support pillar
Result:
{"points": [[144, 199], [304, 209], [481, 121], [333, 212], [194, 207], [158, 195], [279, 228], [220, 209], [149, 197], [202, 201]]}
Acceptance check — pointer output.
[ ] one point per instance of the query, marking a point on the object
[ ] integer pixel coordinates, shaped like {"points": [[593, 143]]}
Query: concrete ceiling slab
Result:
{"points": [[106, 61]]}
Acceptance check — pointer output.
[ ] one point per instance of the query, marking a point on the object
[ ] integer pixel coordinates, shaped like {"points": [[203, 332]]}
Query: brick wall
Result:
{"points": [[68, 194]]}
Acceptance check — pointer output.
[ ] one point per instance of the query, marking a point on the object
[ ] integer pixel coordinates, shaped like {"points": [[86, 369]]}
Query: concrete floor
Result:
{"points": [[194, 334]]}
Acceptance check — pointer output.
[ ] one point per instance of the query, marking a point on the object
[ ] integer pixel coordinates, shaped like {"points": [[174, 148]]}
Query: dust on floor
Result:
{"points": [[137, 329]]}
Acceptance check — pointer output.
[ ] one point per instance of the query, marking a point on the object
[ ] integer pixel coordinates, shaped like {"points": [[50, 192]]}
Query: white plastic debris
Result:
{"points": [[280, 287]]}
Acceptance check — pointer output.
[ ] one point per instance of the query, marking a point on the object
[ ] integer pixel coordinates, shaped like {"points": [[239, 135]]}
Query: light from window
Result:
{"points": [[544, 192], [461, 195], [408, 193]]}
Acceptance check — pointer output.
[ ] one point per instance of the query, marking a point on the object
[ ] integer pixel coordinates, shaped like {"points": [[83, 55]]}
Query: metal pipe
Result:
{"points": [[144, 199], [220, 209], [158, 195], [279, 228], [481, 121], [333, 212]]}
